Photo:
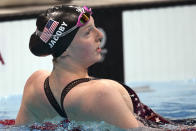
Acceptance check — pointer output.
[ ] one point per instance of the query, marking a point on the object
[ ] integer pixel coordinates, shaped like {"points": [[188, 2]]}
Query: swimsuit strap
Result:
{"points": [[52, 99], [69, 87]]}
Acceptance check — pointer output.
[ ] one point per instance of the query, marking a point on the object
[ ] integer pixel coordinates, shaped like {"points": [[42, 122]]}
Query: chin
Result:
{"points": [[97, 60], [101, 58]]}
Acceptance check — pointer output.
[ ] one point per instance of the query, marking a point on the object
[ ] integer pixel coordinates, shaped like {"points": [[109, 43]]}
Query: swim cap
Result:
{"points": [[51, 24]]}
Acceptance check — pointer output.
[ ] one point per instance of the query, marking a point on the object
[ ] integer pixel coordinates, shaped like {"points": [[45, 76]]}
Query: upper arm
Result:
{"points": [[106, 104], [30, 96], [24, 115]]}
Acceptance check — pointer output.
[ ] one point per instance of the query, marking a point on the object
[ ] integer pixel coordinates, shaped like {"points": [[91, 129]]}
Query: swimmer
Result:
{"points": [[69, 34]]}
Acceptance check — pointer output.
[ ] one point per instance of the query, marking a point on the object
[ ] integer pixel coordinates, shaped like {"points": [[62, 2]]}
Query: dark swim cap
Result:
{"points": [[58, 20]]}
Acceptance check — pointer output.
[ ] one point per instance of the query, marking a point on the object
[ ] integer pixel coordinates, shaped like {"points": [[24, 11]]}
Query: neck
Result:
{"points": [[69, 74], [63, 74]]}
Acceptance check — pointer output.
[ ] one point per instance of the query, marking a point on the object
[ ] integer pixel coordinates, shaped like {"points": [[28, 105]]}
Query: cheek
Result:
{"points": [[84, 50], [84, 47]]}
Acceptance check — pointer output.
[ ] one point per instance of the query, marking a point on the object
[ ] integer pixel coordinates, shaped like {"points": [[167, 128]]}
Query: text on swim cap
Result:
{"points": [[58, 34], [79, 9]]}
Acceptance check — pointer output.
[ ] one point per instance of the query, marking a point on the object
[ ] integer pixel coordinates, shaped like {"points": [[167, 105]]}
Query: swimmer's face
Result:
{"points": [[85, 47]]}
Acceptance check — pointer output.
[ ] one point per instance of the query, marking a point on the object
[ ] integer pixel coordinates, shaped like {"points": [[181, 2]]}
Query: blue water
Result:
{"points": [[173, 100]]}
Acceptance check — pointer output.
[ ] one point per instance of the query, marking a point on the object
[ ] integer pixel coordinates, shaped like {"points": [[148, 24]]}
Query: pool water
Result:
{"points": [[174, 100]]}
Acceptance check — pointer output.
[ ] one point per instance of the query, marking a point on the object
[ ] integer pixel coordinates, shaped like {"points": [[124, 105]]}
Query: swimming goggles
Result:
{"points": [[83, 19]]}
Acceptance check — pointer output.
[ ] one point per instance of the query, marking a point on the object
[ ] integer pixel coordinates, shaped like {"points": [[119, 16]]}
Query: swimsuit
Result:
{"points": [[51, 98], [146, 115]]}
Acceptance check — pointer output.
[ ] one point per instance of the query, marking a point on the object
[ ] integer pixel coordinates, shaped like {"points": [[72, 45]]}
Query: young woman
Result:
{"points": [[69, 34]]}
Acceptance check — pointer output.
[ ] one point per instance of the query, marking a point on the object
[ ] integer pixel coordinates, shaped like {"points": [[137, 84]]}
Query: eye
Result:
{"points": [[88, 31]]}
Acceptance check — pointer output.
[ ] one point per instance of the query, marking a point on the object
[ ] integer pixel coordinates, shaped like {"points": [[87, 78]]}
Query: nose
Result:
{"points": [[99, 34]]}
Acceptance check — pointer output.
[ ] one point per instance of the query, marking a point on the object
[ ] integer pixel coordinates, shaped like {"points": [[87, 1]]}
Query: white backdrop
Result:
{"points": [[19, 62], [160, 44]]}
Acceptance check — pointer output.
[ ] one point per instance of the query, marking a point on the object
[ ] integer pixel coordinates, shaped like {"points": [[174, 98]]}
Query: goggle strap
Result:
{"points": [[67, 32], [38, 33]]}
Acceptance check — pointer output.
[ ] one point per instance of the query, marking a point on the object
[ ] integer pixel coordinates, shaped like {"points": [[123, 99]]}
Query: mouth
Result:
{"points": [[98, 49]]}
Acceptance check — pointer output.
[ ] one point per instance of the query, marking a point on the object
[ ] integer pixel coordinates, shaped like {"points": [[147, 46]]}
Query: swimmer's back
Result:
{"points": [[95, 100]]}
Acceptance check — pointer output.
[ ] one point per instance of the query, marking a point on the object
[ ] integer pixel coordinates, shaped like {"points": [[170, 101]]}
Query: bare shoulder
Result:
{"points": [[101, 100], [91, 91], [103, 88], [32, 97], [34, 86], [34, 83], [105, 84], [37, 75], [93, 88]]}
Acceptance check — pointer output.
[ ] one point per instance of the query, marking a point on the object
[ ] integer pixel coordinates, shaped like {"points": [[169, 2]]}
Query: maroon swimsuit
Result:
{"points": [[146, 115]]}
